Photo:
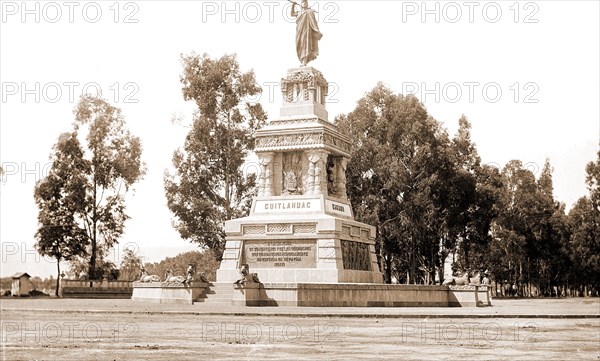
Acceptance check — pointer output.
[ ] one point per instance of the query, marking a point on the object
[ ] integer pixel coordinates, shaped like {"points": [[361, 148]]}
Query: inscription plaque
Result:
{"points": [[287, 205], [338, 208], [293, 254]]}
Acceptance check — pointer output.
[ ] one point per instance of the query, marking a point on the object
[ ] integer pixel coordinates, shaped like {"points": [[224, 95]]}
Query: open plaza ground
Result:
{"points": [[85, 329]]}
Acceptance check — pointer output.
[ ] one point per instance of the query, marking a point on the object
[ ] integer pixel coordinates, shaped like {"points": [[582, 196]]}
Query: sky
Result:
{"points": [[526, 75]]}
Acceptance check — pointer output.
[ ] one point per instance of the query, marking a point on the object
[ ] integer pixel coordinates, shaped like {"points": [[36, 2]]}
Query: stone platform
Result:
{"points": [[359, 295], [315, 294], [169, 292]]}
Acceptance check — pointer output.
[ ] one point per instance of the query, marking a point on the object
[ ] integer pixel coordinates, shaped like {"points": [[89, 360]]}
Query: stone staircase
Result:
{"points": [[218, 293]]}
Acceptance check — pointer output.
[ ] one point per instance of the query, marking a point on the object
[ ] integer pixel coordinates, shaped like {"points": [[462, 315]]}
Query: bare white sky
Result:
{"points": [[526, 74]]}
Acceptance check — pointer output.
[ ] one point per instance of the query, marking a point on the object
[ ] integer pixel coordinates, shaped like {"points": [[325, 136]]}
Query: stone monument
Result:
{"points": [[301, 227], [300, 240]]}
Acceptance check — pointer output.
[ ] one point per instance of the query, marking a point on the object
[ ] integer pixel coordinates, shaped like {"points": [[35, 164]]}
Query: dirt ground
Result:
{"points": [[60, 334]]}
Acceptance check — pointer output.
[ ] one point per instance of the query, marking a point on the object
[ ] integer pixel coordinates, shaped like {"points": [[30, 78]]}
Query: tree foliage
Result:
{"points": [[131, 265], [60, 198], [207, 187], [90, 183], [394, 178], [431, 197], [584, 220], [203, 262], [114, 166]]}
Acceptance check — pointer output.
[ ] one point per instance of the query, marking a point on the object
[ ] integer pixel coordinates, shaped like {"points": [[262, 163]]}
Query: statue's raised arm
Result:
{"points": [[307, 33]]}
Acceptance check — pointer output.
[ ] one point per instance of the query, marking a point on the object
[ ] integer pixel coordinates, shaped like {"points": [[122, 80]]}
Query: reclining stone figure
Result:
{"points": [[146, 278]]}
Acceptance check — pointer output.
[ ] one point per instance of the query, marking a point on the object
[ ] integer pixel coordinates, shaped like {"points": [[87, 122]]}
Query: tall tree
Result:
{"points": [[208, 187], [131, 265], [457, 196], [593, 182], [393, 178], [113, 166], [60, 197], [585, 224]]}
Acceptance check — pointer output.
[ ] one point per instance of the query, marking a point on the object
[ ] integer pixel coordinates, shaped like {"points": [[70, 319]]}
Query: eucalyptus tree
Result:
{"points": [[89, 183], [584, 219], [207, 186], [394, 181], [113, 156], [60, 198]]}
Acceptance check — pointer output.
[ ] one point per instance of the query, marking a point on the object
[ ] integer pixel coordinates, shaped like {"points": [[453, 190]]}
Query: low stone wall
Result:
{"points": [[359, 295], [169, 292], [469, 296], [94, 289]]}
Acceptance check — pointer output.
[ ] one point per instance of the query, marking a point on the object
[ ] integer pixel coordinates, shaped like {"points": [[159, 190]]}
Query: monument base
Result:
{"points": [[169, 292], [469, 296], [300, 239], [359, 295], [301, 275]]}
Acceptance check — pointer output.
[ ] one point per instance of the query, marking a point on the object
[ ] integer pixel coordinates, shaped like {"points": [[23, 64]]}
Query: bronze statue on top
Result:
{"points": [[307, 32]]}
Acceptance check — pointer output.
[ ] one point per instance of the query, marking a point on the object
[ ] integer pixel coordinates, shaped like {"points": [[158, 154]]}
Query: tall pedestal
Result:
{"points": [[301, 239], [301, 228]]}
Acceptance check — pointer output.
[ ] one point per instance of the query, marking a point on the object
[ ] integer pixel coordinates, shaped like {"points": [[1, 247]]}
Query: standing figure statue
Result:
{"points": [[190, 274], [307, 33], [244, 271]]}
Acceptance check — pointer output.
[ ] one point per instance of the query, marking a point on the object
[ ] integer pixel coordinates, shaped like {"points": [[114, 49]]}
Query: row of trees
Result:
{"points": [[81, 200], [203, 262], [430, 196], [427, 192]]}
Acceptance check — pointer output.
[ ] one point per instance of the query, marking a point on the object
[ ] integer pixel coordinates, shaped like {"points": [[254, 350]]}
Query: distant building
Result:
{"points": [[21, 285]]}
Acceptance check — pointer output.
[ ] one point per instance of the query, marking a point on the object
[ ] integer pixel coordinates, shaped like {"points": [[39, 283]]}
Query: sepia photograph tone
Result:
{"points": [[299, 180]]}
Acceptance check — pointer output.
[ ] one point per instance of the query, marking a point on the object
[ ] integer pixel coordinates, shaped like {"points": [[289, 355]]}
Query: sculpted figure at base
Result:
{"points": [[176, 279], [246, 276], [464, 280], [145, 277], [190, 274], [244, 271], [307, 33], [202, 277]]}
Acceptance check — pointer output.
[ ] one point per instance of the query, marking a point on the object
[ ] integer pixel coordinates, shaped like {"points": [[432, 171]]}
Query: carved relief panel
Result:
{"points": [[265, 178], [356, 256], [292, 173], [304, 86]]}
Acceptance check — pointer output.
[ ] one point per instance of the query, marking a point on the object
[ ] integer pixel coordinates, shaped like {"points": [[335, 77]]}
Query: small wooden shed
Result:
{"points": [[21, 285]]}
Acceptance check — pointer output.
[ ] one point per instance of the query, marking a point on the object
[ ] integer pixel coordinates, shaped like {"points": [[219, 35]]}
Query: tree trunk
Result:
{"points": [[388, 269], [432, 266], [465, 248], [58, 277], [92, 267], [442, 265], [413, 266]]}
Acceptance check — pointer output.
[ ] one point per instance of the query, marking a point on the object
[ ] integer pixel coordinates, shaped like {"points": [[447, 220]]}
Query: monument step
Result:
{"points": [[222, 289], [218, 295], [216, 299], [214, 302], [221, 293]]}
